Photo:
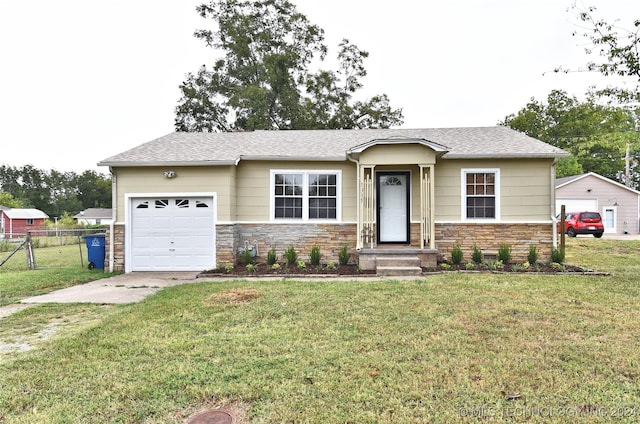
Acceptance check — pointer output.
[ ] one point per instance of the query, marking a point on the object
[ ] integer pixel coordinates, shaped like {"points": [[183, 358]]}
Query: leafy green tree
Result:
{"points": [[596, 135], [263, 79], [7, 199], [618, 50], [55, 192]]}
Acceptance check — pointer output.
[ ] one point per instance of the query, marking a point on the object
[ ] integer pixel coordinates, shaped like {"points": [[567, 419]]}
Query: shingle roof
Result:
{"points": [[182, 148], [93, 213], [561, 182], [25, 214], [564, 180]]}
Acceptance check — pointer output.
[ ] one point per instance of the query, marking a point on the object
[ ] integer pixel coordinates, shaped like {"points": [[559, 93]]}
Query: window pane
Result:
{"points": [[288, 195], [321, 193], [480, 188], [288, 208], [481, 207]]}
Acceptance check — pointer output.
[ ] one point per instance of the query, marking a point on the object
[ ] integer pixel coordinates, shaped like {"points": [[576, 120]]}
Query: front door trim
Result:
{"points": [[407, 224]]}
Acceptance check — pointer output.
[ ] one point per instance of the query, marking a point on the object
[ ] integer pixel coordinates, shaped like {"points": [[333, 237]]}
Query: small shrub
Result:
{"points": [[343, 255], [499, 264], [557, 266], [251, 268], [476, 255], [228, 268], [456, 255], [470, 265], [302, 265], [331, 265], [445, 266], [291, 255], [526, 265], [557, 256], [247, 259], [517, 267], [315, 255], [532, 257], [271, 256], [504, 253], [275, 266]]}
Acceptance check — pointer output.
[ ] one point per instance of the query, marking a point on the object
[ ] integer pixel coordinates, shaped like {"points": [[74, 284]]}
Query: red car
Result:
{"points": [[582, 223]]}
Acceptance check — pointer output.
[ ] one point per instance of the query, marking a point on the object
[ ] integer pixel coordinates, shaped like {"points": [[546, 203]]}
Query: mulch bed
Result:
{"points": [[262, 270]]}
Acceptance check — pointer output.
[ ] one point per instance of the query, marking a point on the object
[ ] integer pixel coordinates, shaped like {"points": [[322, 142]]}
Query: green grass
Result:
{"points": [[498, 346], [57, 267]]}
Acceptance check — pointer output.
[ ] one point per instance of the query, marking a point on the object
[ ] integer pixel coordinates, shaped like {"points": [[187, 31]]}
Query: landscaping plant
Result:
{"points": [[532, 256], [456, 255], [504, 254], [343, 255], [291, 256], [476, 255], [315, 255]]}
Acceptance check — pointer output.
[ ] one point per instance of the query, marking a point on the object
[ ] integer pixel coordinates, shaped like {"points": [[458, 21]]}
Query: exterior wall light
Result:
{"points": [[170, 174]]}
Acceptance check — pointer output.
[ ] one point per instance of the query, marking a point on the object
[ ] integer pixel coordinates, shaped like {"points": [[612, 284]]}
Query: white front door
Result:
{"points": [[609, 217], [392, 207]]}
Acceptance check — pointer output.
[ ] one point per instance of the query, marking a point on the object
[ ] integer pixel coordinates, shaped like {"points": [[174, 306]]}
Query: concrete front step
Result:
{"points": [[391, 271], [397, 261]]}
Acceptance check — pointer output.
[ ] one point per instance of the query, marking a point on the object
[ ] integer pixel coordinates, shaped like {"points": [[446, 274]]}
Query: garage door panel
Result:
{"points": [[577, 205], [172, 234]]}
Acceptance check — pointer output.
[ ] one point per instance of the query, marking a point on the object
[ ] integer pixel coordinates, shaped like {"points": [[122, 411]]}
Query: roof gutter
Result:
{"points": [[505, 156], [125, 164]]}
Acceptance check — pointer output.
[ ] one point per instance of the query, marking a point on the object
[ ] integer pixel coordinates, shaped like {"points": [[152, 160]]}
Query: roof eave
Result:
{"points": [[340, 158], [504, 156], [126, 164]]}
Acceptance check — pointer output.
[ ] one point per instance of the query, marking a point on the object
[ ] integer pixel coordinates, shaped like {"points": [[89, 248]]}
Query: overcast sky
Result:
{"points": [[82, 80]]}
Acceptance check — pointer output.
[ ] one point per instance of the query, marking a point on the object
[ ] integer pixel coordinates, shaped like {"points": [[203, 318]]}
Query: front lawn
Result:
{"points": [[447, 348]]}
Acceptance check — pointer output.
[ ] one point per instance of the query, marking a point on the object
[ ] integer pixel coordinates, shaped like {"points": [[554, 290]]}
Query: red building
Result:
{"points": [[17, 222]]}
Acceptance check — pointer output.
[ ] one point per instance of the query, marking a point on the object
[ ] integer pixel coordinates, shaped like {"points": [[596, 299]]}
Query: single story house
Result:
{"points": [[189, 201], [94, 216], [618, 204], [17, 222]]}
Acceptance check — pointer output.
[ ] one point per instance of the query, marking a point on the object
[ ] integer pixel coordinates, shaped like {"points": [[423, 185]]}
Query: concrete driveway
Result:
{"points": [[122, 288]]}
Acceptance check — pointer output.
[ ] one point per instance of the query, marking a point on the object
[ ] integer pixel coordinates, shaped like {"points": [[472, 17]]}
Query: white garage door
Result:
{"points": [[577, 205], [172, 234]]}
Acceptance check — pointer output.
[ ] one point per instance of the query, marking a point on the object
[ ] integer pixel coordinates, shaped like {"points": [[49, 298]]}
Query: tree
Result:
{"points": [[618, 49], [55, 192], [263, 79], [596, 135], [7, 199]]}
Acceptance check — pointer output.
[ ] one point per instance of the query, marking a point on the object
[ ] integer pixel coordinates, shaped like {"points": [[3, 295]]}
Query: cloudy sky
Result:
{"points": [[82, 80]]}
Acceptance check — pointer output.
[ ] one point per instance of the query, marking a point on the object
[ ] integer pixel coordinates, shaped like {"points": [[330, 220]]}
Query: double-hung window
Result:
{"points": [[480, 194], [305, 195]]}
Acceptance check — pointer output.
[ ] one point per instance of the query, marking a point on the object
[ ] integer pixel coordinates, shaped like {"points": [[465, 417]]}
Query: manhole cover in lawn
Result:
{"points": [[212, 416]]}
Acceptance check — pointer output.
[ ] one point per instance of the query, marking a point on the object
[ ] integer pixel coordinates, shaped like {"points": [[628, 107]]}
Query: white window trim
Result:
{"points": [[463, 193], [305, 194]]}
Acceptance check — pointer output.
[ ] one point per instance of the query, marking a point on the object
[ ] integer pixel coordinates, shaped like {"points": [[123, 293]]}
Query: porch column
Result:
{"points": [[366, 218], [427, 213]]}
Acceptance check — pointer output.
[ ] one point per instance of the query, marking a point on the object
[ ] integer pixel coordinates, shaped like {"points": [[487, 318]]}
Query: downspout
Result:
{"points": [[113, 219], [358, 224], [552, 203]]}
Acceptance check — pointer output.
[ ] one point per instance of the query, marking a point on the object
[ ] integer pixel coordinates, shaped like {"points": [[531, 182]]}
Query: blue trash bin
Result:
{"points": [[96, 250]]}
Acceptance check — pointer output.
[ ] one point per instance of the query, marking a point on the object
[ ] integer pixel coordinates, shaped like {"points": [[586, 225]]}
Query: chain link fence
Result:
{"points": [[40, 249]]}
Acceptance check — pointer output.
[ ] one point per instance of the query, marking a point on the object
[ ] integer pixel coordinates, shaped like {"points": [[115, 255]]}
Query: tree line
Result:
{"points": [[53, 192], [262, 80]]}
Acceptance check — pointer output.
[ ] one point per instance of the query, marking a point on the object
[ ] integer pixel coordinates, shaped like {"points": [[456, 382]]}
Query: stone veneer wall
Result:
{"points": [[329, 237], [489, 237], [118, 252]]}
